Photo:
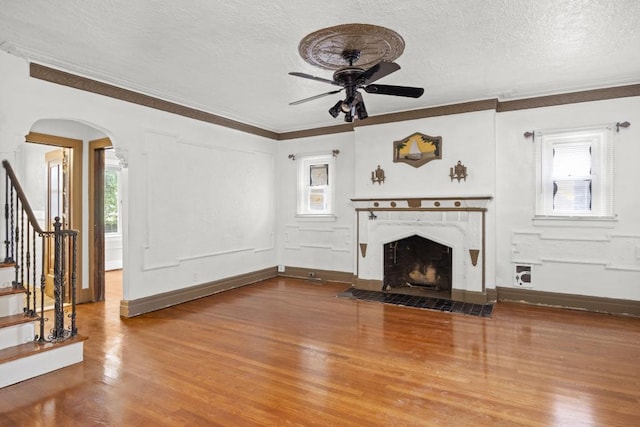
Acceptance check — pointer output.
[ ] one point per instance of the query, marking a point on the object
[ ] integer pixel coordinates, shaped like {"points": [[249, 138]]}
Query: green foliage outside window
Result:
{"points": [[110, 201]]}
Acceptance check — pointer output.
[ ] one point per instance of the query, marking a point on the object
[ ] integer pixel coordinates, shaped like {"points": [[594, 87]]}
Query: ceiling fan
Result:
{"points": [[352, 78]]}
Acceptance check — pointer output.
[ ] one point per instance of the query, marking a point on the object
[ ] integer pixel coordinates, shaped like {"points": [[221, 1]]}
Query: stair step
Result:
{"points": [[7, 264], [17, 334], [32, 359], [34, 347], [11, 302], [11, 291], [7, 275], [16, 319]]}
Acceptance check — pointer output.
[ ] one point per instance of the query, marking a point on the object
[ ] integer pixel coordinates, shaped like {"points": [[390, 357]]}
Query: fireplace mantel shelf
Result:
{"points": [[369, 199], [423, 203]]}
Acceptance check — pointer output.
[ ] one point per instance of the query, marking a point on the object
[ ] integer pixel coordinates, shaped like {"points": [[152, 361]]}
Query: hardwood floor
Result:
{"points": [[288, 352]]}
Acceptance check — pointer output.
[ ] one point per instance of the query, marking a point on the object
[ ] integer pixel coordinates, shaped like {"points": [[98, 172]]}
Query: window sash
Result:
{"points": [[111, 227], [574, 173], [315, 185]]}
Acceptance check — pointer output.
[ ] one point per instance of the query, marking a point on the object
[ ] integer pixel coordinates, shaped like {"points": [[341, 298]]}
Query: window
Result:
{"points": [[112, 191], [574, 173], [315, 184]]}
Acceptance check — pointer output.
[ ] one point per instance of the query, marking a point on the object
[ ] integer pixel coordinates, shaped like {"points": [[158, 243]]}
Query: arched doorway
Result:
{"points": [[82, 193]]}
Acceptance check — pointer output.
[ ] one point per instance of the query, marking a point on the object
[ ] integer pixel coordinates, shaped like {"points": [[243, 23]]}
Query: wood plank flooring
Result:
{"points": [[287, 352]]}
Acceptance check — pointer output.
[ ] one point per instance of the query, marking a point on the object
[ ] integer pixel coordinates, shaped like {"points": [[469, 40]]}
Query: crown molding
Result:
{"points": [[569, 98], [52, 75]]}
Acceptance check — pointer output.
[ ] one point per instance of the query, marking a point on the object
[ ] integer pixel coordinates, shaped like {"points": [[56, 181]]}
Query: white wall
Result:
{"points": [[466, 137], [599, 261], [585, 258], [200, 203], [32, 165], [325, 244]]}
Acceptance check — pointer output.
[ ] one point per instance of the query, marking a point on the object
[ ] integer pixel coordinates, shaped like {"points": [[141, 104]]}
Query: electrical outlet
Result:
{"points": [[280, 268]]}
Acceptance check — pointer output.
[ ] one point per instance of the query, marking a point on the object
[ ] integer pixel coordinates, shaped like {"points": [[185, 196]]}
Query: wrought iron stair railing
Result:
{"points": [[26, 245]]}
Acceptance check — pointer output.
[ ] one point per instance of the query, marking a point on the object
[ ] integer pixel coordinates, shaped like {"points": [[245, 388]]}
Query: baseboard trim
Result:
{"points": [[131, 308], [316, 274], [580, 302], [473, 297], [368, 284]]}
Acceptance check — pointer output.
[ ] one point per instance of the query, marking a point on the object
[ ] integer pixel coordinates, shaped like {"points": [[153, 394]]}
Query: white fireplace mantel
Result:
{"points": [[458, 222]]}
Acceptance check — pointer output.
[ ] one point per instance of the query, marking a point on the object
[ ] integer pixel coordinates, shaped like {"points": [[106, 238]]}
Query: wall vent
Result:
{"points": [[523, 276]]}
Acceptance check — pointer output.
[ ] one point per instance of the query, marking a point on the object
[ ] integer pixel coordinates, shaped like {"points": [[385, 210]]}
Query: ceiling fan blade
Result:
{"points": [[410, 92], [318, 79], [322, 95], [378, 71]]}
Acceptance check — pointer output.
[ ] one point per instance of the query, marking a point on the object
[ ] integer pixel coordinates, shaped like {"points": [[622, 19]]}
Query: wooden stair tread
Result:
{"points": [[7, 264], [34, 347], [16, 319], [10, 290]]}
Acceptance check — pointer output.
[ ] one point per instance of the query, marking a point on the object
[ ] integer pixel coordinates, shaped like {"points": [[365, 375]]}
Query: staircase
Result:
{"points": [[26, 350]]}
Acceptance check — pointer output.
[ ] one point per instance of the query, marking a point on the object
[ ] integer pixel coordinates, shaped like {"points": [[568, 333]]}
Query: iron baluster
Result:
{"points": [[15, 249], [63, 273], [21, 245], [11, 253], [6, 219], [32, 262], [27, 268], [58, 330], [74, 261], [42, 286], [35, 252]]}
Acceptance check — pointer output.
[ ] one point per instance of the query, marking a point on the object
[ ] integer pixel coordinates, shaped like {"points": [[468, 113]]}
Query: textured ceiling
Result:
{"points": [[231, 58]]}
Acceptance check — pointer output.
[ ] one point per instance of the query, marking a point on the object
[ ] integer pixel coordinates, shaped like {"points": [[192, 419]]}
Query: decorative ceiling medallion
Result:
{"points": [[417, 149], [324, 48]]}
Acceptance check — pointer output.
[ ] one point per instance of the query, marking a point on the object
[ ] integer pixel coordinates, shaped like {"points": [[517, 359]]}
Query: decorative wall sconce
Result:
{"points": [[458, 172], [377, 176]]}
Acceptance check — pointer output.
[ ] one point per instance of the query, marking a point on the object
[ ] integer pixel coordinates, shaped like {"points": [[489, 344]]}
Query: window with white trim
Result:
{"points": [[112, 192], [315, 184], [574, 176]]}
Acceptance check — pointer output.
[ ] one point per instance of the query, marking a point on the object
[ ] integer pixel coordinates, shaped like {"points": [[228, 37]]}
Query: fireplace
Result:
{"points": [[423, 246], [416, 262]]}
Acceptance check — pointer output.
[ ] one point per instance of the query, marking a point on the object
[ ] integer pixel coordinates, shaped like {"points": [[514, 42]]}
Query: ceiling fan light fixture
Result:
{"points": [[365, 44], [348, 117], [360, 54], [335, 110], [361, 111], [347, 104]]}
